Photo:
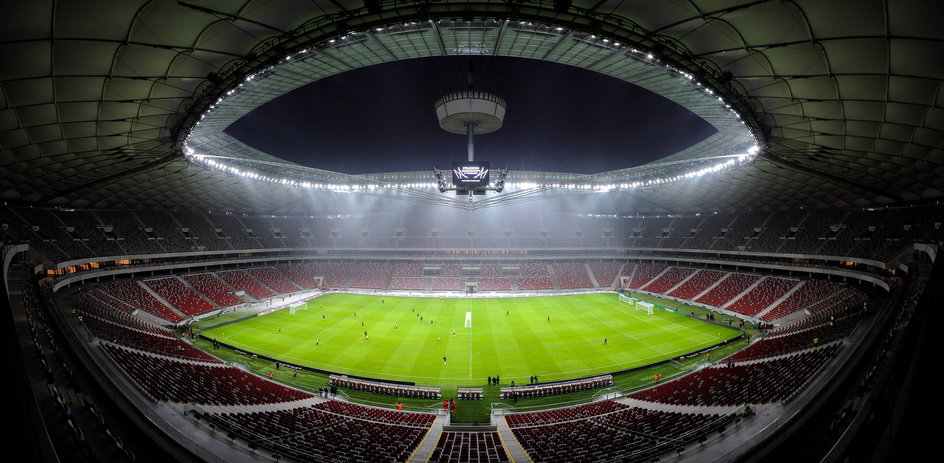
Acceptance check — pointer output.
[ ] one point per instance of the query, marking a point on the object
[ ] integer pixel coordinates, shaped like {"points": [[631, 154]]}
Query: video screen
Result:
{"points": [[470, 174]]}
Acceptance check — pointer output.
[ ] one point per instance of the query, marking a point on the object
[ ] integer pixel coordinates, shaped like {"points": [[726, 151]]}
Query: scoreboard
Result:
{"points": [[470, 175], [470, 178]]}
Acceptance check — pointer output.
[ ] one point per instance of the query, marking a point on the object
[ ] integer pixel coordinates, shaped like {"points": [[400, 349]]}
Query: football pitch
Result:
{"points": [[461, 341]]}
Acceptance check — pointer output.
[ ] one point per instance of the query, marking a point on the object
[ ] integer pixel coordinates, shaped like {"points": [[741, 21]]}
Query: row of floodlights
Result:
{"points": [[213, 163], [304, 52]]}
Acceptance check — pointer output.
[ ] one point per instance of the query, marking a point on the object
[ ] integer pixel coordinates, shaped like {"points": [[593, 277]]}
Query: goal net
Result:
{"points": [[644, 306], [636, 303], [627, 299], [297, 306]]}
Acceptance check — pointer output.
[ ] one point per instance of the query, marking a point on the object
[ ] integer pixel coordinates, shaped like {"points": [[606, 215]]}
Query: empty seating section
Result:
{"points": [[737, 234], [844, 233], [810, 235], [180, 296], [129, 232], [847, 304], [164, 344], [809, 293], [697, 284], [669, 279], [380, 415], [165, 379], [732, 285], [314, 434], [448, 284], [825, 332], [96, 302], [534, 284], [495, 284], [212, 287], [533, 269], [888, 228], [471, 447], [49, 231], [132, 293], [645, 273], [605, 272], [561, 415], [370, 275], [491, 270], [672, 241], [234, 232], [408, 269], [451, 270], [273, 279], [14, 228], [707, 231], [201, 232], [262, 230], [165, 229], [572, 275], [775, 232], [763, 382], [761, 296], [612, 433], [336, 274], [296, 232], [416, 284], [300, 274], [241, 281], [846, 297], [166, 368], [64, 235], [84, 226]]}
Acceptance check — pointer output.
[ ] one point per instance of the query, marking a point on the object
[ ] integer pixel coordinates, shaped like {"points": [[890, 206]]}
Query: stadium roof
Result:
{"points": [[563, 118], [846, 96]]}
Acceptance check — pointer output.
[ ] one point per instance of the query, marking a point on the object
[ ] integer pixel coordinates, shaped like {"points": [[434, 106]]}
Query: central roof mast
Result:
{"points": [[468, 113]]}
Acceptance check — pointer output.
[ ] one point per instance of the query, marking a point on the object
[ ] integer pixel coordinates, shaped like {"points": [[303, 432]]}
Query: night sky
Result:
{"points": [[381, 119]]}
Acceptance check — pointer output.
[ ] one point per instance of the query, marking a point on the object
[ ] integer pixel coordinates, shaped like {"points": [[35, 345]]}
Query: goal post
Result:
{"points": [[627, 299], [297, 306], [644, 306], [637, 304]]}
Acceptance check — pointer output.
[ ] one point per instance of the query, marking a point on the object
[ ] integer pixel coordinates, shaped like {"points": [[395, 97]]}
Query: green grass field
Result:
{"points": [[554, 337]]}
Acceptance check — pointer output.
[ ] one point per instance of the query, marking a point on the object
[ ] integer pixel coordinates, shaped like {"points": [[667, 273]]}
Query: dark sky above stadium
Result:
{"points": [[381, 119]]}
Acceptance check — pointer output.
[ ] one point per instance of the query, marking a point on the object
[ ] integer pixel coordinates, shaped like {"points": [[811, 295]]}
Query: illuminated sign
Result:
{"points": [[470, 174]]}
